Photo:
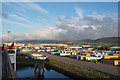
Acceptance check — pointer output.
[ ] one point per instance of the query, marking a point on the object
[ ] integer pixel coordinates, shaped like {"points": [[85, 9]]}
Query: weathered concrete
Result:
{"points": [[106, 68], [4, 67], [0, 63]]}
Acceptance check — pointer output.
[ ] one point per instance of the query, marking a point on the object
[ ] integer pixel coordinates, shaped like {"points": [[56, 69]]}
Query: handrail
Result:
{"points": [[12, 73], [11, 70], [12, 49]]}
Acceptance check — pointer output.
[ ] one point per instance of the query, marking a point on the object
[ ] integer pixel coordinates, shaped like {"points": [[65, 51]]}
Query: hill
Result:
{"points": [[103, 40], [39, 41]]}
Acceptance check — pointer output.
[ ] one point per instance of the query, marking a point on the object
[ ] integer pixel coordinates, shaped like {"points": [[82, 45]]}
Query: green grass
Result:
{"points": [[87, 71]]}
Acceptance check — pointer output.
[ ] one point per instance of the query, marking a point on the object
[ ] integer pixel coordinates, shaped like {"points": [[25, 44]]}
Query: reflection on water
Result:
{"points": [[30, 72]]}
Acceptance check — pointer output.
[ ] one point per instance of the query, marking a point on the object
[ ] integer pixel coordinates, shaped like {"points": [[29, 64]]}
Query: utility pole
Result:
{"points": [[8, 36]]}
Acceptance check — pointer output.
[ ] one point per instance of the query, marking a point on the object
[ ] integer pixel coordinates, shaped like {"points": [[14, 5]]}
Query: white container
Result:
{"points": [[26, 50], [37, 47], [39, 50], [40, 57], [65, 54], [35, 55], [89, 58]]}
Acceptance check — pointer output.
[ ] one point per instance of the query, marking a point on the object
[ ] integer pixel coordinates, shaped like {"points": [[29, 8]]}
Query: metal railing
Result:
{"points": [[11, 49], [10, 72]]}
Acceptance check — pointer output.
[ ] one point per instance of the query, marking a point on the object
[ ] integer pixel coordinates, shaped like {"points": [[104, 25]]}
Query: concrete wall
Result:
{"points": [[0, 63]]}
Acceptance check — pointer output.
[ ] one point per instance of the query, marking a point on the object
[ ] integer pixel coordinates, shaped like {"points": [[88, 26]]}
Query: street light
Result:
{"points": [[8, 36]]}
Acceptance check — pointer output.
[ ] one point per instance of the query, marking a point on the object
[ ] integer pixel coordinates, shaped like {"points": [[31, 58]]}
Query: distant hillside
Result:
{"points": [[103, 40], [85, 40], [39, 41], [108, 40]]}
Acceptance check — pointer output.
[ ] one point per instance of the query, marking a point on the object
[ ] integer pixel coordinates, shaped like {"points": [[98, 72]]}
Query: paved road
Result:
{"points": [[106, 68]]}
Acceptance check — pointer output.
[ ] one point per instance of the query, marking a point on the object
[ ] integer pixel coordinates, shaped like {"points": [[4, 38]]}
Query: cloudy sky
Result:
{"points": [[59, 20]]}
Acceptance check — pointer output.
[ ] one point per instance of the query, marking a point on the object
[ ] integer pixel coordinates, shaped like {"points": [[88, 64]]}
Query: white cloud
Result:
{"points": [[72, 28], [43, 34], [22, 15], [98, 17], [93, 27], [90, 27], [33, 6], [16, 17], [79, 11], [37, 7], [18, 24], [24, 6]]}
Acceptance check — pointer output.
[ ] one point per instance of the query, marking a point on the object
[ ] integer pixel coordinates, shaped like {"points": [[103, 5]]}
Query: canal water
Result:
{"points": [[27, 72]]}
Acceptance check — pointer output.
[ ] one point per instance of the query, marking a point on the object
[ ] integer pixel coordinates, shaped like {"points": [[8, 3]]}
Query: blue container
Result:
{"points": [[99, 51], [29, 47], [93, 54], [78, 57], [80, 53], [60, 51], [110, 54]]}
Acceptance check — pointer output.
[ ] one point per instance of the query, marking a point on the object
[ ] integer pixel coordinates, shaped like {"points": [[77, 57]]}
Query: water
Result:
{"points": [[28, 72]]}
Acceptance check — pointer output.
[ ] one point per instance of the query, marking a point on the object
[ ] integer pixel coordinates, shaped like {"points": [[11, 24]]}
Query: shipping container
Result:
{"points": [[111, 57], [93, 54], [82, 57], [116, 55], [88, 54], [93, 59], [116, 62], [55, 52], [78, 57], [65, 54]]}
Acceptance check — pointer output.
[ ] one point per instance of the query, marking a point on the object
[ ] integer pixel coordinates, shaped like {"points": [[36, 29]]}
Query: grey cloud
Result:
{"points": [[106, 27], [74, 28]]}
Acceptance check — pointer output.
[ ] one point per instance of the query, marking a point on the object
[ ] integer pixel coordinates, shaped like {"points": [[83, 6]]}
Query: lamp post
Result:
{"points": [[8, 36]]}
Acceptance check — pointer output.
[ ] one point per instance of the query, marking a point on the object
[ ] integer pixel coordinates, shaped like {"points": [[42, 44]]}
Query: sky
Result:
{"points": [[59, 20], [60, 0]]}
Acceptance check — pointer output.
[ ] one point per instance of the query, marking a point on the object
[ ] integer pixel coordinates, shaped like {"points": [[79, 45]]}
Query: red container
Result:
{"points": [[78, 53], [23, 47], [119, 55], [116, 55], [4, 48]]}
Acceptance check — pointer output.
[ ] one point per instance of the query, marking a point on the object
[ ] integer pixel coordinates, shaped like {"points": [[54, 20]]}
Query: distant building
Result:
{"points": [[53, 44], [115, 48], [75, 48], [86, 46], [20, 44], [98, 46]]}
